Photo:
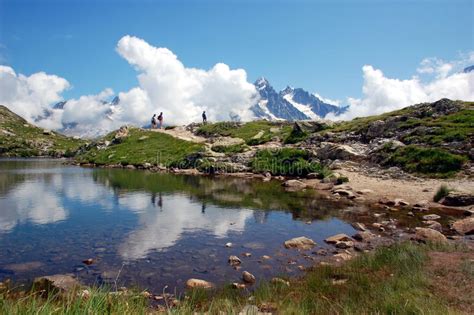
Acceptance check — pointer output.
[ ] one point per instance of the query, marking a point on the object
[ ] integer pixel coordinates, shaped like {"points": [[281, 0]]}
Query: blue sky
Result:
{"points": [[318, 45]]}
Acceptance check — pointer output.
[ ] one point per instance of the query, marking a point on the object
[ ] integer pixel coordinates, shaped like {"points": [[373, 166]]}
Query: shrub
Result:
{"points": [[417, 159], [442, 192], [229, 149], [286, 161], [223, 128], [263, 139], [341, 180], [296, 136]]}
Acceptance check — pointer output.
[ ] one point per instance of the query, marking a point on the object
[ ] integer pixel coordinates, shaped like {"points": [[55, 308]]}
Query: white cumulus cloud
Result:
{"points": [[438, 79], [165, 85], [30, 96], [181, 93]]}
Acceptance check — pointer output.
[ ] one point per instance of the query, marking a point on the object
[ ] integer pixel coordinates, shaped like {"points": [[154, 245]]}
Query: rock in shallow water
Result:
{"points": [[301, 242], [337, 238], [199, 283], [234, 260], [248, 277]]}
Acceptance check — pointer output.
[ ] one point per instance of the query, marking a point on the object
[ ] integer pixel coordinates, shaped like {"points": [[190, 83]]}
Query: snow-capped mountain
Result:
{"points": [[272, 106], [290, 104], [468, 69]]}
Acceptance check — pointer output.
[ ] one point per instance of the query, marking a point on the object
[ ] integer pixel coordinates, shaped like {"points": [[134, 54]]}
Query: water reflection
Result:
{"points": [[56, 216], [161, 227], [33, 201]]}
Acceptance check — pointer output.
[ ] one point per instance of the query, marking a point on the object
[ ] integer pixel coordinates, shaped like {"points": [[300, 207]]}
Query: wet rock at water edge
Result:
{"points": [[199, 283], [429, 235], [56, 283], [247, 254], [301, 242], [464, 226], [359, 226], [337, 238], [294, 184], [344, 244], [234, 260], [88, 261], [363, 236], [248, 277]]}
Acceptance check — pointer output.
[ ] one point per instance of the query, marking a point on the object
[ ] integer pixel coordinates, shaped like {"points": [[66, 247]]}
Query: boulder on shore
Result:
{"points": [[464, 226], [338, 238], [458, 199], [301, 242], [333, 151], [294, 184], [429, 235], [364, 236], [62, 283]]}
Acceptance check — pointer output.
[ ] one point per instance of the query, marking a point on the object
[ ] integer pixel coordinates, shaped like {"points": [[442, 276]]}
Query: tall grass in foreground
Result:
{"points": [[390, 280]]}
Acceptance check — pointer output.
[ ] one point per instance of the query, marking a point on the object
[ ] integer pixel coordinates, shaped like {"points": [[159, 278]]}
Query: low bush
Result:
{"points": [[229, 149], [442, 192], [296, 136], [287, 161], [432, 161]]}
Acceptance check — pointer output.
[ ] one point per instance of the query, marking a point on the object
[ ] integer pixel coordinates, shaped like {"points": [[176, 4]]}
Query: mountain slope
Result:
{"points": [[19, 138], [290, 104]]}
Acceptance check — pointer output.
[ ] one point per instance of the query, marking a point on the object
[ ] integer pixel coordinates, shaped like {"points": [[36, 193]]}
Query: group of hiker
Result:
{"points": [[158, 120]]}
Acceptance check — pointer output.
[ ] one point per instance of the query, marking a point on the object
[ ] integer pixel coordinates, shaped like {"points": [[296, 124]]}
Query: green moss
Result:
{"points": [[286, 161], [432, 161], [141, 147]]}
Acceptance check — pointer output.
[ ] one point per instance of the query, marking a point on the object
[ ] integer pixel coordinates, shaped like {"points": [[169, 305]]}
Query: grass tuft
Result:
{"points": [[442, 192]]}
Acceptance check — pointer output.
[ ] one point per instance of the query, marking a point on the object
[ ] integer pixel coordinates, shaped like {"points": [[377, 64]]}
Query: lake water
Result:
{"points": [[151, 230]]}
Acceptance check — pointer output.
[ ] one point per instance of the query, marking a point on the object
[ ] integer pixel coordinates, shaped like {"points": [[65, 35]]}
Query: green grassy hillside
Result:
{"points": [[138, 147], [18, 138]]}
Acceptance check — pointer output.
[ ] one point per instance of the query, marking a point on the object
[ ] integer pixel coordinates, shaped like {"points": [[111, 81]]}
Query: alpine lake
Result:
{"points": [[154, 231]]}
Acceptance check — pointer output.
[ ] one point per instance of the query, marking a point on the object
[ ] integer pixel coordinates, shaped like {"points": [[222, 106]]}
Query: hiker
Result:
{"points": [[160, 119], [204, 117], [153, 122]]}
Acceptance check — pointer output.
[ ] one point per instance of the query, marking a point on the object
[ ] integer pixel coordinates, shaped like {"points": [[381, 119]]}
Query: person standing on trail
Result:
{"points": [[160, 119], [204, 117], [153, 122]]}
